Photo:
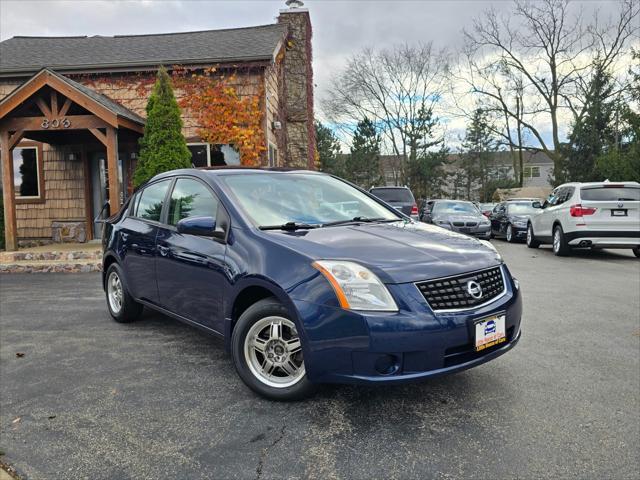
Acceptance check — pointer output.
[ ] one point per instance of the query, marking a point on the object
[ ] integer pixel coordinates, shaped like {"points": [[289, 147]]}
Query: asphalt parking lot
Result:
{"points": [[94, 399]]}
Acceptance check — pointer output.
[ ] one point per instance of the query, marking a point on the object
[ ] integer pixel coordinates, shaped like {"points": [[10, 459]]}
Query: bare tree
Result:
{"points": [[395, 88], [536, 64]]}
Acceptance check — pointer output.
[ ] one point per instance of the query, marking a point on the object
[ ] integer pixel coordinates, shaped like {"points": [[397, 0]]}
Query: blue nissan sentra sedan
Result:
{"points": [[308, 279]]}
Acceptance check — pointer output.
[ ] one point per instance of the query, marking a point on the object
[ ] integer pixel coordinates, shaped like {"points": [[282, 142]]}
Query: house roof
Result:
{"points": [[20, 56], [48, 77]]}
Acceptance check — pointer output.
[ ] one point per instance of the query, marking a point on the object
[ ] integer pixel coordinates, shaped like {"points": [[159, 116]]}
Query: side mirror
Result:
{"points": [[536, 205], [201, 227]]}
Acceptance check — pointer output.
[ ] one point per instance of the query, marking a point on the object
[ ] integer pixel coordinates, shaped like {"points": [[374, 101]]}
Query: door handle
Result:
{"points": [[164, 251]]}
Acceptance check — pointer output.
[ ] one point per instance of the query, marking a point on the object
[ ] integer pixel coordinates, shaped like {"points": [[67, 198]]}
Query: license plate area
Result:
{"points": [[490, 331], [619, 213]]}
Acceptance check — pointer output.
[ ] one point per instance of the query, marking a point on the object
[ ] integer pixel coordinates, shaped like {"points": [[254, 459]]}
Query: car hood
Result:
{"points": [[460, 218], [397, 252]]}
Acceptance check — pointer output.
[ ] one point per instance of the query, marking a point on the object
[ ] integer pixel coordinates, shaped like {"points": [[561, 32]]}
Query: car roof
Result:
{"points": [[389, 187], [606, 182]]}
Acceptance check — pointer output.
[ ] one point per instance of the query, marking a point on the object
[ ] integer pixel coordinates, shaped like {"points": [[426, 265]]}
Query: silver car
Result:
{"points": [[459, 216]]}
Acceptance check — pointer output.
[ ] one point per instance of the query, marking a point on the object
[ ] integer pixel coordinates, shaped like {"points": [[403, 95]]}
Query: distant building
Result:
{"points": [[538, 168]]}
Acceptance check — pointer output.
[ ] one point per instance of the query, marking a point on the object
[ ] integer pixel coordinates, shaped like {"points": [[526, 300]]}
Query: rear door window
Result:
{"points": [[152, 200], [396, 195], [613, 193]]}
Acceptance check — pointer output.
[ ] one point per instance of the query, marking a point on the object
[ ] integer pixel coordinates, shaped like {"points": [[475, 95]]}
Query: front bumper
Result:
{"points": [[414, 343]]}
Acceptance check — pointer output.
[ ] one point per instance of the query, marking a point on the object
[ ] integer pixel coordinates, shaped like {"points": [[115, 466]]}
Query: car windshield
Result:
{"points": [[521, 208], [271, 199], [395, 195], [453, 208]]}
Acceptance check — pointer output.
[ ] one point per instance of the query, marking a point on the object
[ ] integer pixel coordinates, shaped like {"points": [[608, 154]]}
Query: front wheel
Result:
{"points": [[267, 352], [510, 237], [531, 239], [560, 246]]}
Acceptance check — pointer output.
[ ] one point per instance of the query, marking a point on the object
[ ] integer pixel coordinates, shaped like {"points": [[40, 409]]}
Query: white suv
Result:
{"points": [[583, 215]]}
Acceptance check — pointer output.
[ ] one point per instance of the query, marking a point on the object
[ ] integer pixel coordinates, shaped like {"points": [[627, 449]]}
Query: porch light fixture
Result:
{"points": [[133, 155], [72, 157]]}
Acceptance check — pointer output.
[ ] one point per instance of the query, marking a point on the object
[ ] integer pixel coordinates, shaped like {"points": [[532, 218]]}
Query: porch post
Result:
{"points": [[8, 192], [112, 165]]}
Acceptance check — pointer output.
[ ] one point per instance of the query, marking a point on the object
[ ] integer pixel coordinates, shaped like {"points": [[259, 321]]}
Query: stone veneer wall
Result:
{"points": [[298, 90]]}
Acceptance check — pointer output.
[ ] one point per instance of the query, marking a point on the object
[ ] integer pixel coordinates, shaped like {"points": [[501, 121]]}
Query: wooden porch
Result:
{"points": [[53, 110]]}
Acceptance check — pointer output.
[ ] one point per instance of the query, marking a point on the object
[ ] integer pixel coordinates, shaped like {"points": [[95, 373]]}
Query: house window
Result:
{"points": [[27, 173], [273, 155], [212, 155], [531, 172]]}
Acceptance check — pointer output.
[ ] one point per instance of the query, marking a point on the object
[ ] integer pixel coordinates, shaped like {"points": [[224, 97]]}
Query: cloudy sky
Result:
{"points": [[341, 27]]}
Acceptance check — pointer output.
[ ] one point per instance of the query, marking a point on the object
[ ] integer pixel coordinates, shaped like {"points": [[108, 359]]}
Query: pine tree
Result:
{"points": [[162, 147], [478, 148], [363, 163], [328, 151], [592, 134]]}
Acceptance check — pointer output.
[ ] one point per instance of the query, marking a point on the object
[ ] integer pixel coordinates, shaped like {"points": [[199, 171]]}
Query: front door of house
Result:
{"points": [[99, 190]]}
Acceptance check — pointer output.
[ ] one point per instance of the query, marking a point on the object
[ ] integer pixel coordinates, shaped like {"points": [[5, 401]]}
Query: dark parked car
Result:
{"points": [[509, 219], [458, 216], [302, 289], [399, 198]]}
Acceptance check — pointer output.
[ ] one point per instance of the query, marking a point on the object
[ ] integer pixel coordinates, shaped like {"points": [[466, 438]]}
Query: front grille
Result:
{"points": [[458, 224], [450, 293], [472, 224]]}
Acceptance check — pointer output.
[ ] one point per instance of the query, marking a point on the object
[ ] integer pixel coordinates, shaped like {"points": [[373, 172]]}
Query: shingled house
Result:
{"points": [[72, 111]]}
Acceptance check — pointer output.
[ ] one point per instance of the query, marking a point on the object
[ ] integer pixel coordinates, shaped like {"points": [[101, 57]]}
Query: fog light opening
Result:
{"points": [[387, 364]]}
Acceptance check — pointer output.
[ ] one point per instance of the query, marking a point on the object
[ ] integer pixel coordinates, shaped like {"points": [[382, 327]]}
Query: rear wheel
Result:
{"points": [[560, 246], [531, 239], [636, 252], [122, 307], [267, 352]]}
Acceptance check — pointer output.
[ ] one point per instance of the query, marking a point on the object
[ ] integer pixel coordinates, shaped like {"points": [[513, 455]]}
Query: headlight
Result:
{"points": [[485, 222], [357, 287]]}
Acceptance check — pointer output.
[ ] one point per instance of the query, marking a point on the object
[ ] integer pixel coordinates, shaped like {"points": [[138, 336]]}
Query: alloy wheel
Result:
{"points": [[115, 292], [556, 240], [509, 233], [273, 352], [529, 235]]}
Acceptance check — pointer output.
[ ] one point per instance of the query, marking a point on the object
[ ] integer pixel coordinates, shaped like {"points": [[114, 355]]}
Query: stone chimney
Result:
{"points": [[299, 130]]}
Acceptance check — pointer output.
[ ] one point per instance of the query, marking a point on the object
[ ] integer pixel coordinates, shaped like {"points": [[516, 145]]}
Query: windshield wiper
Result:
{"points": [[289, 226], [362, 220]]}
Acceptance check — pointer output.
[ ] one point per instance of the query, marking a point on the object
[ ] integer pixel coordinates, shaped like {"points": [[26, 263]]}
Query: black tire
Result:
{"points": [[531, 238], [130, 310], [510, 237], [561, 247], [636, 252], [260, 310]]}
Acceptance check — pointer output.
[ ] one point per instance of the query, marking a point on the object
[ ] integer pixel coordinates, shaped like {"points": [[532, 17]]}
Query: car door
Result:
{"points": [[138, 234], [497, 216], [551, 212], [190, 268]]}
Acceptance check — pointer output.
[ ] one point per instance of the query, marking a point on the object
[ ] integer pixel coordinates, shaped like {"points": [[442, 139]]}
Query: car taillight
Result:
{"points": [[414, 209], [579, 211]]}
